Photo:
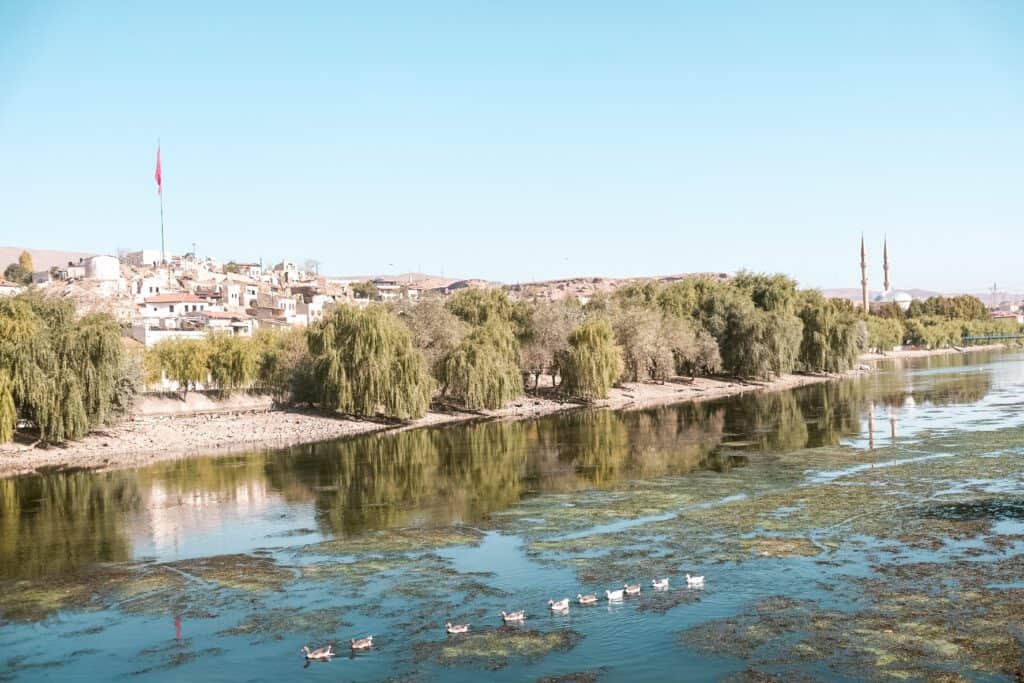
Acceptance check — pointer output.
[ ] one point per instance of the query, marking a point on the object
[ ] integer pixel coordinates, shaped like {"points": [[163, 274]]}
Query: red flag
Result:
{"points": [[158, 175]]}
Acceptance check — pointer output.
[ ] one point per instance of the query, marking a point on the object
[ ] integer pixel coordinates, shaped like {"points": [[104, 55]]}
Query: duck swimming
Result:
{"points": [[659, 584], [362, 643], [586, 599], [559, 605], [513, 616], [320, 654], [455, 629]]}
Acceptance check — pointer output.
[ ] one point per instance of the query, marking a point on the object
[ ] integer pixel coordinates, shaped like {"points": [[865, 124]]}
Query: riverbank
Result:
{"points": [[159, 434]]}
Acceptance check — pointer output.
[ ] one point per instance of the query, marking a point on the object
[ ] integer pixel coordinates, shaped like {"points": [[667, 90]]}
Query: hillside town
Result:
{"points": [[186, 297]]}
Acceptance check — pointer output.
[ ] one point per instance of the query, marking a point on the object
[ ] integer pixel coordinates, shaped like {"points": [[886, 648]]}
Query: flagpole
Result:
{"points": [[163, 250]]}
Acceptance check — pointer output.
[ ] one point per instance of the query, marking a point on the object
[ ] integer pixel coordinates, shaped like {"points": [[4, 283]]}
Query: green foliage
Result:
{"points": [[756, 343], [964, 307], [933, 332], [435, 330], [593, 362], [230, 361], [884, 334], [365, 290], [364, 363], [182, 360], [545, 336], [478, 306], [60, 372], [833, 335], [767, 292], [483, 370], [17, 274], [25, 261], [283, 365], [8, 411]]}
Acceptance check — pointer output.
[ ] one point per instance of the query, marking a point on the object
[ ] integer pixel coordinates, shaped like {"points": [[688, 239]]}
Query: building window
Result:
{"points": [[172, 308]]}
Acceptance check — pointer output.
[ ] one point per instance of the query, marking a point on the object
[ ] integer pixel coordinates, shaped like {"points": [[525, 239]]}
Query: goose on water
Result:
{"points": [[613, 595], [513, 616], [455, 629], [559, 605], [319, 654], [632, 589], [659, 584], [362, 643], [694, 581], [586, 599]]}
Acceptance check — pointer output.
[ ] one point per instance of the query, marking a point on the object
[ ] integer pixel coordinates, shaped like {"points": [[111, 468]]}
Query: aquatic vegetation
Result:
{"points": [[396, 541], [776, 546], [495, 648], [242, 572], [273, 624], [575, 677]]}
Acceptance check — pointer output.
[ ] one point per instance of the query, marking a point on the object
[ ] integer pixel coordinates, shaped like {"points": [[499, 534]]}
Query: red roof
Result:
{"points": [[7, 283], [174, 299]]}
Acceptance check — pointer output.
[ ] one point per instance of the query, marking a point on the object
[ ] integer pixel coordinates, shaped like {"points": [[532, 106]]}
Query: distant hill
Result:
{"points": [[42, 259]]}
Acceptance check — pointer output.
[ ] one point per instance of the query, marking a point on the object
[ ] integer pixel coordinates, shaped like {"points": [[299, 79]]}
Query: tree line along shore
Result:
{"points": [[62, 376]]}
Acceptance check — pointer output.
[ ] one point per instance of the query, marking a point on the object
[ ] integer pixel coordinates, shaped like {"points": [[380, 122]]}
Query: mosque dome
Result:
{"points": [[901, 299]]}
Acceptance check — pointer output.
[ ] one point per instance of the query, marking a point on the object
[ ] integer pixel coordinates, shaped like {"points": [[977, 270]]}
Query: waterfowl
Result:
{"points": [[694, 581], [586, 599], [613, 595], [559, 605], [659, 584], [513, 616], [362, 643], [632, 590], [455, 629], [319, 654]]}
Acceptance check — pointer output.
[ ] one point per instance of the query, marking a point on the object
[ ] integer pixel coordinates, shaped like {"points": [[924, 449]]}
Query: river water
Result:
{"points": [[866, 529]]}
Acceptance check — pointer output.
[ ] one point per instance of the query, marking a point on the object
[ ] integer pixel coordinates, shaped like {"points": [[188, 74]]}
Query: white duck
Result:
{"points": [[362, 643], [455, 629], [320, 654], [631, 589], [559, 605], [513, 616], [694, 581], [613, 595], [586, 599], [659, 584]]}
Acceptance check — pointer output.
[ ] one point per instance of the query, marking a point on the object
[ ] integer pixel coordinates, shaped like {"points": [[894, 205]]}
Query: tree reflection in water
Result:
{"points": [[60, 522]]}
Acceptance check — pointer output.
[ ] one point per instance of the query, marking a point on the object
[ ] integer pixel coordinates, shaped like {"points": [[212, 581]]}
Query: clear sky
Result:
{"points": [[525, 140]]}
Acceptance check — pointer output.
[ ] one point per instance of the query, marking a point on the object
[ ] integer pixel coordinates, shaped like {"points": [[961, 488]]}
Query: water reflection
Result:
{"points": [[61, 522]]}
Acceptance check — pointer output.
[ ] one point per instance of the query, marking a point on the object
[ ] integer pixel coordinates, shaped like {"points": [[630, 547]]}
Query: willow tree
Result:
{"points": [[231, 361], [60, 372], [283, 365], [593, 362], [545, 338], [483, 370], [183, 361], [833, 334], [8, 411], [364, 363]]}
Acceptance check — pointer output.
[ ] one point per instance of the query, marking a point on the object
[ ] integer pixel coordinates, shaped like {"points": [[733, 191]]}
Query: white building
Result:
{"points": [[8, 288], [104, 268], [238, 324], [172, 305]]}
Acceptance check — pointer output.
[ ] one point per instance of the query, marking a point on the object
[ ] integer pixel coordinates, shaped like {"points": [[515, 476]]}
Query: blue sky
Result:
{"points": [[525, 140]]}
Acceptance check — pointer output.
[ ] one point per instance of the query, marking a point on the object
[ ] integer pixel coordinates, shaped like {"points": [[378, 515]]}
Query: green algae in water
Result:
{"points": [[274, 624], [495, 648], [396, 541], [241, 572]]}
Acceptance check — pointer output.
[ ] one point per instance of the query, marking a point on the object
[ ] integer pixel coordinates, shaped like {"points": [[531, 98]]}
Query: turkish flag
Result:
{"points": [[158, 175]]}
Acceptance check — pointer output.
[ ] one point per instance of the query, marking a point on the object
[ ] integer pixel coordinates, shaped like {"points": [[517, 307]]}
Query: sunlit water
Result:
{"points": [[870, 528]]}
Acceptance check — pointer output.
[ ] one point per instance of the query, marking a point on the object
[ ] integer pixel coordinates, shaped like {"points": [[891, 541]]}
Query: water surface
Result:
{"points": [[870, 528]]}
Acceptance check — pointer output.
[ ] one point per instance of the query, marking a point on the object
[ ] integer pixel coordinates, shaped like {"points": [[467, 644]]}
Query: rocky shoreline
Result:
{"points": [[161, 435]]}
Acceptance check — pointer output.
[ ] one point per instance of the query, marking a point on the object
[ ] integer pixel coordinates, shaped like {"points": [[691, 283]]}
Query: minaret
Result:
{"points": [[863, 274], [885, 261]]}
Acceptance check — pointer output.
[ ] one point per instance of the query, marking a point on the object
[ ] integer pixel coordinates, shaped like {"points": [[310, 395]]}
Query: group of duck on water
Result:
{"points": [[556, 606]]}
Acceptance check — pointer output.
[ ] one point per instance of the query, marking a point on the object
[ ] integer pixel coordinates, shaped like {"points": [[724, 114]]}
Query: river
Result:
{"points": [[865, 529]]}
